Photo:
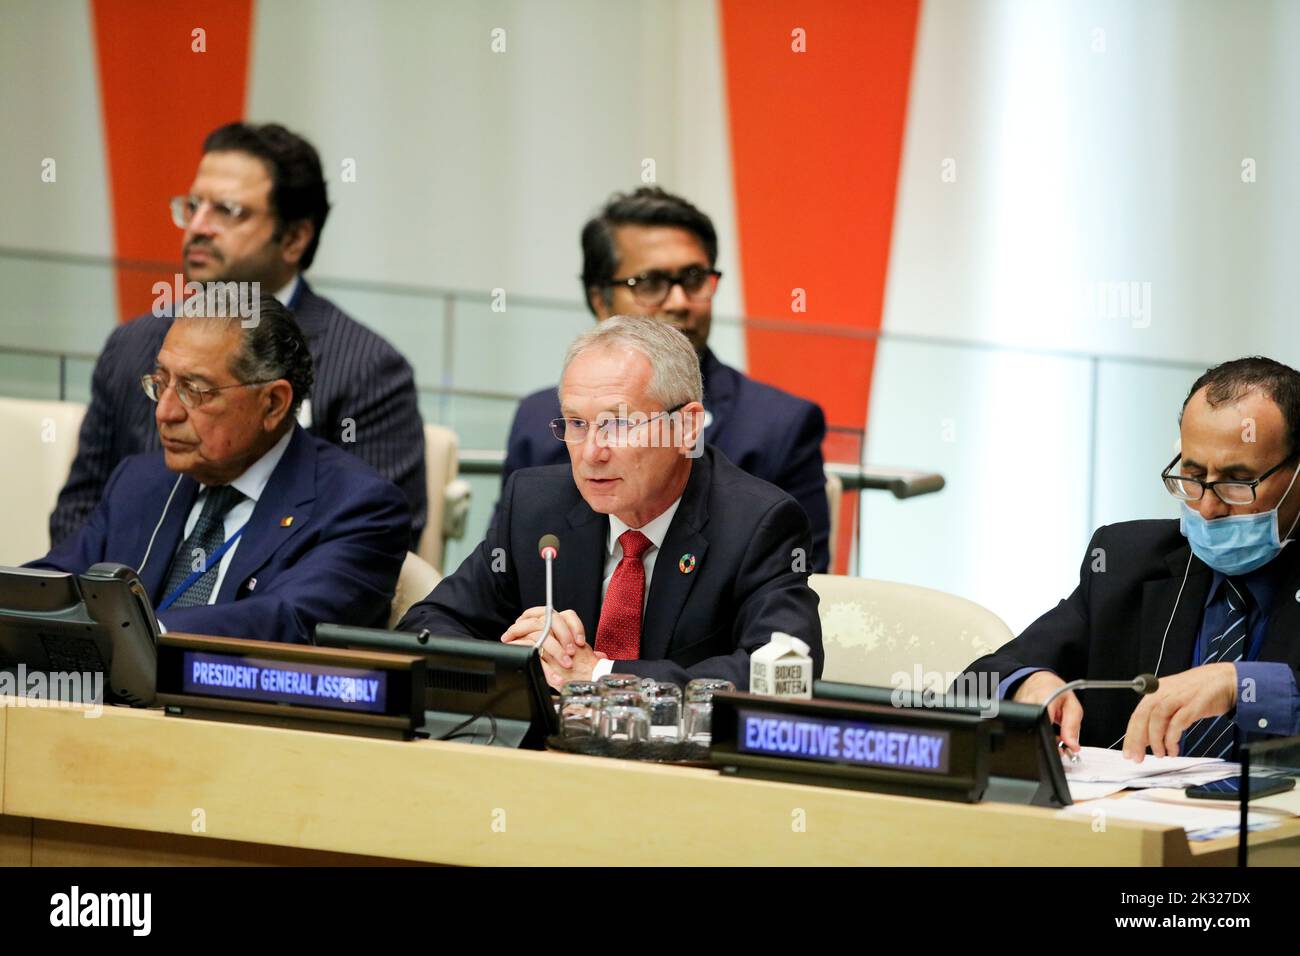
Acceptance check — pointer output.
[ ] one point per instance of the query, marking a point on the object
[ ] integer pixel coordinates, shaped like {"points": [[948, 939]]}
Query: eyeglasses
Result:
{"points": [[653, 288], [191, 395], [1229, 492], [222, 213], [613, 432]]}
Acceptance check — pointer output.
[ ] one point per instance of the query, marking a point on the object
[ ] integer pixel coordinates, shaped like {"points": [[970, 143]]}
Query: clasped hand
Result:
{"points": [[566, 655]]}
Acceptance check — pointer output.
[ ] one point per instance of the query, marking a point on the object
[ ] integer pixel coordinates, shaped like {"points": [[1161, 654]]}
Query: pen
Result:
{"points": [[1066, 753]]}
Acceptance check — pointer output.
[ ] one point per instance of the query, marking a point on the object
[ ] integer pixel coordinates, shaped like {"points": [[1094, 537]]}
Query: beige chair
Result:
{"points": [[39, 441], [834, 495], [448, 495], [416, 580], [900, 635]]}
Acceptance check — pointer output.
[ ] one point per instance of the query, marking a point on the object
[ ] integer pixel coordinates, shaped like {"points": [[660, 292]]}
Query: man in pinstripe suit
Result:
{"points": [[254, 214]]}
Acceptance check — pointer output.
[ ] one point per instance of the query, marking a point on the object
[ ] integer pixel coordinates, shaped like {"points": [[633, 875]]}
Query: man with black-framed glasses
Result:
{"points": [[654, 254], [1209, 603], [244, 524]]}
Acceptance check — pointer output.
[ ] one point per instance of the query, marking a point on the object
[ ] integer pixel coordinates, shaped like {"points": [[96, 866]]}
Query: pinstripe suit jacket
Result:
{"points": [[359, 377]]}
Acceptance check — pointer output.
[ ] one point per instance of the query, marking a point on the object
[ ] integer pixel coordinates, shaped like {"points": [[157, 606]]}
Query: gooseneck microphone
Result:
{"points": [[1142, 684], [548, 546]]}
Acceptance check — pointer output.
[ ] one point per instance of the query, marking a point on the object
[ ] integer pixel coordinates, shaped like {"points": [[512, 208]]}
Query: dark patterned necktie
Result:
{"points": [[619, 632], [1213, 736], [207, 537]]}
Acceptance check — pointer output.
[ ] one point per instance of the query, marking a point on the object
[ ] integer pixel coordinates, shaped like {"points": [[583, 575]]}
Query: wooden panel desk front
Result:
{"points": [[136, 786]]}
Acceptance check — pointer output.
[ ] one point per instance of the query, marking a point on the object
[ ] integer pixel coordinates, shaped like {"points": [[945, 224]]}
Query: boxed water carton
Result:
{"points": [[781, 668]]}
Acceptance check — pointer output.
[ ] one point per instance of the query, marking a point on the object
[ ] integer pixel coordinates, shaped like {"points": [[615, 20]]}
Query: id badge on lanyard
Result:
{"points": [[214, 561]]}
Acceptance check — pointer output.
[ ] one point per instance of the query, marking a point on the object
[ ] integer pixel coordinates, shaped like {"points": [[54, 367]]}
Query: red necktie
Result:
{"points": [[619, 632]]}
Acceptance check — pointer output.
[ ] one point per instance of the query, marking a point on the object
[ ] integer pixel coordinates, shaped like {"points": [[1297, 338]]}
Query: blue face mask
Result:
{"points": [[1236, 544]]}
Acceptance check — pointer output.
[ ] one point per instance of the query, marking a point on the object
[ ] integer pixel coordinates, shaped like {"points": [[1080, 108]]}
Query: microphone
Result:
{"points": [[1142, 684], [548, 546]]}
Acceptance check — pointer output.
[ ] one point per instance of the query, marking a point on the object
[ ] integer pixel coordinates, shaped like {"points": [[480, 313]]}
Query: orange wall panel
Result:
{"points": [[159, 98]]}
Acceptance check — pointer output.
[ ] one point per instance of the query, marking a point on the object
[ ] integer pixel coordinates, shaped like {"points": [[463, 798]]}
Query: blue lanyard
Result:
{"points": [[212, 562]]}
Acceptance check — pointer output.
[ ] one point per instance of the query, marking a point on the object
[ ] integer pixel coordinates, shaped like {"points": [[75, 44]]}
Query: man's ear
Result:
{"points": [[294, 240], [596, 296], [277, 400], [692, 430]]}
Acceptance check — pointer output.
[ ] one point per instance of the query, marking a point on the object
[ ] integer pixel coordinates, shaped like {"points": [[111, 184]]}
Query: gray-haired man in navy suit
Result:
{"points": [[674, 564]]}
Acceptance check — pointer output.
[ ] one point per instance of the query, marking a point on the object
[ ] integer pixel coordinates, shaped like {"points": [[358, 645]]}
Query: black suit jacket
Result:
{"points": [[1113, 625], [359, 377], [705, 623], [767, 432]]}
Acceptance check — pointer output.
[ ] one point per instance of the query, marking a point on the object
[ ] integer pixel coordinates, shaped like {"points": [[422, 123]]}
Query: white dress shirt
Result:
{"points": [[656, 531], [251, 484], [285, 294]]}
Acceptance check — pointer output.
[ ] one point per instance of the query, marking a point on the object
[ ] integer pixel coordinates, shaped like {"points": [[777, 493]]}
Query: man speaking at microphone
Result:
{"points": [[672, 562], [1209, 603]]}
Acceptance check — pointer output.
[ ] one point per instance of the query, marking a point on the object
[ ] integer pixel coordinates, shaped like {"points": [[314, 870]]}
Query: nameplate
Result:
{"points": [[845, 741], [241, 677], [367, 692], [936, 754]]}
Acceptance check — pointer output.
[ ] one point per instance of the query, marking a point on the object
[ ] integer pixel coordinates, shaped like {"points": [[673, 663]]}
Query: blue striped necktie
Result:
{"points": [[207, 537], [1213, 736]]}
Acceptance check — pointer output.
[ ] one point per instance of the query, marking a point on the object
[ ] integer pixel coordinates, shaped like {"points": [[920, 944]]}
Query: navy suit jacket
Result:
{"points": [[337, 561], [1126, 616], [767, 432], [359, 377], [701, 623]]}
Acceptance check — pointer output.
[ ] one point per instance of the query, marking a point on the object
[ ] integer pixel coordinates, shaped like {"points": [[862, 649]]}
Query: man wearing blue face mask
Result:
{"points": [[1209, 603]]}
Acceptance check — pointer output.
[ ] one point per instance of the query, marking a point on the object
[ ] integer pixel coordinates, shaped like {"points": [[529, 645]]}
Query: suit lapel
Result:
{"points": [[154, 573], [1282, 634], [671, 586], [578, 577], [719, 397], [1158, 604], [288, 496]]}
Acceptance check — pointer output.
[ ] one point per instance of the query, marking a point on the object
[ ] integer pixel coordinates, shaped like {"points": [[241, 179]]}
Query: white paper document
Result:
{"points": [[1081, 790], [1187, 815], [1191, 777], [1099, 765]]}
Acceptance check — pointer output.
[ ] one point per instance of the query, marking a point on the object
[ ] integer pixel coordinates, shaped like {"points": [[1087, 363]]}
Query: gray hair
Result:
{"points": [[272, 346], [675, 378]]}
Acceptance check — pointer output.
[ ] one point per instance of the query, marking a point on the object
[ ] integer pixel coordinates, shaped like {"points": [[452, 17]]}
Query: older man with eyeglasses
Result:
{"points": [[243, 524], [1209, 603], [673, 563], [652, 253]]}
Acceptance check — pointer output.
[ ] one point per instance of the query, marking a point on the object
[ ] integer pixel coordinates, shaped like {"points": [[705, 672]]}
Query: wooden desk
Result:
{"points": [[133, 786]]}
